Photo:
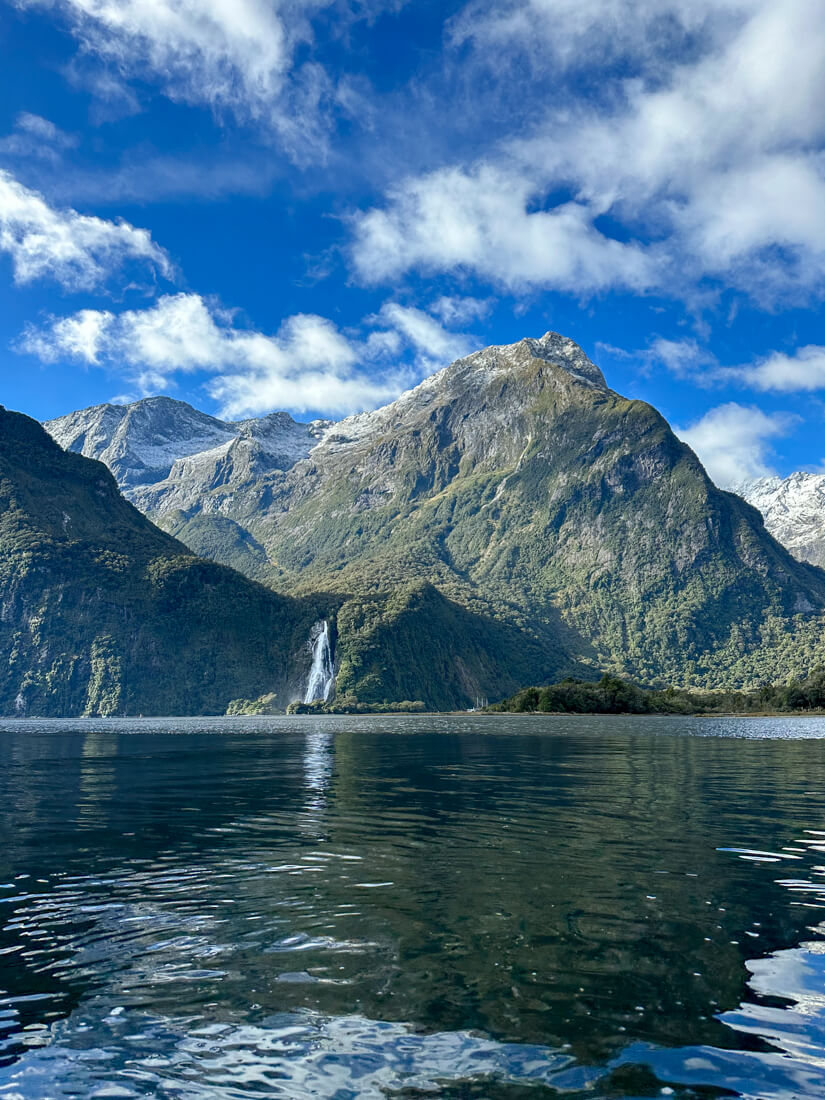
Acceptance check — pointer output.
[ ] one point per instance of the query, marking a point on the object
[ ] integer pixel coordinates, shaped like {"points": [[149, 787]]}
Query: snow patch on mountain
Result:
{"points": [[794, 511], [141, 441]]}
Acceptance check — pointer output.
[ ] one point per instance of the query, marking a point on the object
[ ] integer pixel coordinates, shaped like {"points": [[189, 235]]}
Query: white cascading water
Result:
{"points": [[322, 673]]}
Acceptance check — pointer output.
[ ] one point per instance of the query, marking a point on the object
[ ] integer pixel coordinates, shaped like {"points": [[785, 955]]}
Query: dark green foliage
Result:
{"points": [[610, 695], [417, 644], [102, 613], [349, 705], [219, 538]]}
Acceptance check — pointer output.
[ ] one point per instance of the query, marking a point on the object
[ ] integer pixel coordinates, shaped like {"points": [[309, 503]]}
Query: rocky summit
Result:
{"points": [[510, 517]]}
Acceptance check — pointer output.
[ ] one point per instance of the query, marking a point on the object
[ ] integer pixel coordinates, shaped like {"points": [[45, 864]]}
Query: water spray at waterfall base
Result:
{"points": [[322, 673]]}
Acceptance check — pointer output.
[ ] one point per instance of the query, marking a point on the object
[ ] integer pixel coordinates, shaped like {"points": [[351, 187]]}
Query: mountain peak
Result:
{"points": [[552, 348], [793, 509], [565, 353]]}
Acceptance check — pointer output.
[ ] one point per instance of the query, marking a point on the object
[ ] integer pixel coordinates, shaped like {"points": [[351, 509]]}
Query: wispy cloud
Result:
{"points": [[36, 137], [434, 344], [799, 371], [76, 250], [240, 59]]}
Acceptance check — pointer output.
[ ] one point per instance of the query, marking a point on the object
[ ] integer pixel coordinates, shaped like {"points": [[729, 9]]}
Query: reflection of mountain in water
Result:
{"points": [[789, 1060], [397, 903]]}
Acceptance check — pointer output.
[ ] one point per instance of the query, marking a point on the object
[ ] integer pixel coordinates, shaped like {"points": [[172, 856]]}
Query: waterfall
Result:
{"points": [[322, 673]]}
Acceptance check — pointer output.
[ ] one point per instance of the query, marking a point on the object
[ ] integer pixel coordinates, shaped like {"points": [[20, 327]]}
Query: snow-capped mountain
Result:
{"points": [[162, 442], [794, 511]]}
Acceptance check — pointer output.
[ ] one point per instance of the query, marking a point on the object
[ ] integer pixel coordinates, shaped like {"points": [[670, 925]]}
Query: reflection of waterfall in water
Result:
{"points": [[318, 762], [322, 674], [318, 765]]}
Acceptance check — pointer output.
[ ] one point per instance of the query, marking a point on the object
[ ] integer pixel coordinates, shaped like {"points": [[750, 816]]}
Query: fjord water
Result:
{"points": [[483, 907]]}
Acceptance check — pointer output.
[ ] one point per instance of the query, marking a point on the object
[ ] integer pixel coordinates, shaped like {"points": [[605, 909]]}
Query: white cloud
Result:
{"points": [[34, 136], [733, 441], [583, 33], [711, 151], [308, 365], [76, 250], [478, 220], [460, 311], [433, 342], [684, 358], [203, 50], [804, 370]]}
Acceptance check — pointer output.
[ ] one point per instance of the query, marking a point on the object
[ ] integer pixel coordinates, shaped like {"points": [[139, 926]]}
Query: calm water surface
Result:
{"points": [[497, 908]]}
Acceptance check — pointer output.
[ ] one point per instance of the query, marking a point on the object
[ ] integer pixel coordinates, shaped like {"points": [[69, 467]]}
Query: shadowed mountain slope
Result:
{"points": [[102, 613]]}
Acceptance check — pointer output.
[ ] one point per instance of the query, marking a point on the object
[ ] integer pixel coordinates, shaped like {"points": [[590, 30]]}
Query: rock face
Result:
{"points": [[517, 487], [794, 511], [161, 440]]}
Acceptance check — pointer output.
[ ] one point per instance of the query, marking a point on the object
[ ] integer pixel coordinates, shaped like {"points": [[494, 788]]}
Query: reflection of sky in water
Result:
{"points": [[337, 916], [294, 1057], [792, 1066]]}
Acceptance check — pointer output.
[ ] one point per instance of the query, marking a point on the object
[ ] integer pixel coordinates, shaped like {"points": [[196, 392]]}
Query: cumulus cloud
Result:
{"points": [[733, 441], [711, 152], [309, 364], [478, 220], [78, 251], [803, 370]]}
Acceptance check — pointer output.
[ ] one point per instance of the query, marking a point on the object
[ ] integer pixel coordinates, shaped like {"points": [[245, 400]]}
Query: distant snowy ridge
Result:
{"points": [[794, 511], [161, 441]]}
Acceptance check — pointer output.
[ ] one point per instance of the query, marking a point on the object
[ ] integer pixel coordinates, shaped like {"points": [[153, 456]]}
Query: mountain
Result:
{"points": [[140, 442], [162, 447], [517, 486], [794, 511], [102, 613]]}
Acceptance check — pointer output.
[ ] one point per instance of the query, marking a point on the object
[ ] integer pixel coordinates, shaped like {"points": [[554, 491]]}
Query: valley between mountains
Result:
{"points": [[510, 521]]}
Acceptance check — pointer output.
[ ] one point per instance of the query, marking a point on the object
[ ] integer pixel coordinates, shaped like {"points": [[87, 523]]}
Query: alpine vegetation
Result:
{"points": [[511, 520]]}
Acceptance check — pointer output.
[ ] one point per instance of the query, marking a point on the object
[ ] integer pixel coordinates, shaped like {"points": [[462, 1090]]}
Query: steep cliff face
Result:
{"points": [[102, 613], [794, 511], [524, 491]]}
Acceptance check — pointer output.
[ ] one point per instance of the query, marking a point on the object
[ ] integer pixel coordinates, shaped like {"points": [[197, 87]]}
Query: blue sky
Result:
{"points": [[312, 204]]}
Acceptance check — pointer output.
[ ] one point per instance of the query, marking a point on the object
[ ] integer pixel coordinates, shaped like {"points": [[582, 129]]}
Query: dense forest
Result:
{"points": [[611, 695]]}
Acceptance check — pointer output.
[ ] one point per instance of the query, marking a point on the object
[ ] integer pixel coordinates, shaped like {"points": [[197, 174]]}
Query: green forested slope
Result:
{"points": [[102, 613], [532, 494]]}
